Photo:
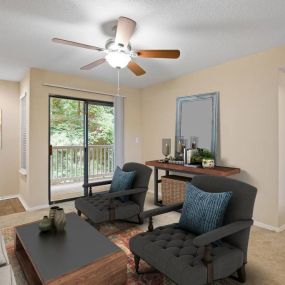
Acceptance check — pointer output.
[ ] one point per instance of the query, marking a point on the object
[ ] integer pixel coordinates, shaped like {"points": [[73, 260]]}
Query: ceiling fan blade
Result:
{"points": [[159, 53], [93, 64], [135, 68], [71, 43], [125, 30]]}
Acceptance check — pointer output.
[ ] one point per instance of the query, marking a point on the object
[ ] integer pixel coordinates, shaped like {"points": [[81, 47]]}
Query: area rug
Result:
{"points": [[119, 237], [119, 233]]}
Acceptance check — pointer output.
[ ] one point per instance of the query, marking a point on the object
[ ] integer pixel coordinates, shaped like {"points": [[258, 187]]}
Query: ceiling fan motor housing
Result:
{"points": [[111, 45], [117, 55]]}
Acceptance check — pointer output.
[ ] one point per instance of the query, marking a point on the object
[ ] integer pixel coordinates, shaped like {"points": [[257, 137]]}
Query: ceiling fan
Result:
{"points": [[118, 51]]}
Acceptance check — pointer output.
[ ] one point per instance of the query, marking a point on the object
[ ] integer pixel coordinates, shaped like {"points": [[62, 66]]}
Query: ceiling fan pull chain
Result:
{"points": [[118, 77]]}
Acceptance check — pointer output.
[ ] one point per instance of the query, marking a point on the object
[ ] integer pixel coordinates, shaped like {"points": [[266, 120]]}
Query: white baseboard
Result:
{"points": [[269, 227], [282, 228], [23, 202], [150, 190], [38, 208], [8, 197], [27, 208], [30, 209]]}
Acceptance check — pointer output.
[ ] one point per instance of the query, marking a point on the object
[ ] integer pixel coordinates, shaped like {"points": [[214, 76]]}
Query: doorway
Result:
{"points": [[81, 145]]}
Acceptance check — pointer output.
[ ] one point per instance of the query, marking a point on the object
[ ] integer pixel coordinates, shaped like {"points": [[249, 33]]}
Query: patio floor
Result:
{"points": [[72, 190]]}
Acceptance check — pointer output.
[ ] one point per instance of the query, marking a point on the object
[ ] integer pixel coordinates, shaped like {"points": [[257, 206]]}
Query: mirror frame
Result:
{"points": [[214, 96]]}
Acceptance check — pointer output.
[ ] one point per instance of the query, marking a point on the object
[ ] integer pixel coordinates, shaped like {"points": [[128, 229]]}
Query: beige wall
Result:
{"points": [[24, 178], [9, 153], [38, 139], [250, 130], [248, 120], [281, 113]]}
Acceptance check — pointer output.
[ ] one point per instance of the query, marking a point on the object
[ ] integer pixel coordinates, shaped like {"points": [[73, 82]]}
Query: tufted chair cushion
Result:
{"points": [[171, 251], [96, 208]]}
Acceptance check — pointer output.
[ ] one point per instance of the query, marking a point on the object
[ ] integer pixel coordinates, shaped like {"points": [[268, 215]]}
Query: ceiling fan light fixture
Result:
{"points": [[118, 51], [118, 59]]}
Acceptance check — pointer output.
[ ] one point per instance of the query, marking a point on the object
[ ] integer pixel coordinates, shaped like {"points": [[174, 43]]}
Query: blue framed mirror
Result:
{"points": [[197, 120]]}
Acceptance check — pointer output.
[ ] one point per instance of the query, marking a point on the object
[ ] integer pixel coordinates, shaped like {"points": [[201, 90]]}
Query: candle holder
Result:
{"points": [[180, 146], [194, 142], [166, 148]]}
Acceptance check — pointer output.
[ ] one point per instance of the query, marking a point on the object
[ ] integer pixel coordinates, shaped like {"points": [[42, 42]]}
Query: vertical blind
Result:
{"points": [[24, 134], [119, 131]]}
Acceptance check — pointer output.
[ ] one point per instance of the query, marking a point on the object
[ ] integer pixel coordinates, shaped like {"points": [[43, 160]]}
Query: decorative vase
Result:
{"points": [[52, 211], [166, 148], [188, 155], [45, 224], [59, 219], [208, 163]]}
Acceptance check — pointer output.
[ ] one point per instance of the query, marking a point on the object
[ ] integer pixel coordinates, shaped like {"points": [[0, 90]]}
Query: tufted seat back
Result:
{"points": [[143, 173], [240, 206], [141, 180]]}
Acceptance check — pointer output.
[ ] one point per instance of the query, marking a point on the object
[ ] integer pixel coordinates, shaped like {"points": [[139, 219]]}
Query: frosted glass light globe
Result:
{"points": [[118, 59]]}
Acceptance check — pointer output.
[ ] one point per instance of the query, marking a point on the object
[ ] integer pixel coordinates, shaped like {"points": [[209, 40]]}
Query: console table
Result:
{"points": [[216, 171]]}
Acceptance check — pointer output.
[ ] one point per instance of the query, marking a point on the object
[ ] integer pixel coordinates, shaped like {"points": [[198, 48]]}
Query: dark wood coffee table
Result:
{"points": [[79, 255]]}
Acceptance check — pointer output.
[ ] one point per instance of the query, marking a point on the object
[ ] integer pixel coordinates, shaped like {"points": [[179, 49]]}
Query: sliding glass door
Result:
{"points": [[66, 150], [100, 134], [81, 146]]}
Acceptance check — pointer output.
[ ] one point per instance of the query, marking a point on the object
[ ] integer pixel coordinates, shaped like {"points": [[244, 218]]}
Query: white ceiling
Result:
{"points": [[207, 32]]}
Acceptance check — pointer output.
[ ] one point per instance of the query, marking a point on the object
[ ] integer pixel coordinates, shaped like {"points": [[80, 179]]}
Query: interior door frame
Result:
{"points": [[86, 102]]}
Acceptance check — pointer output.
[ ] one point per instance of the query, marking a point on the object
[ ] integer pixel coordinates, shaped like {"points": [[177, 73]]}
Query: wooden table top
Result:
{"points": [[55, 254], [216, 171]]}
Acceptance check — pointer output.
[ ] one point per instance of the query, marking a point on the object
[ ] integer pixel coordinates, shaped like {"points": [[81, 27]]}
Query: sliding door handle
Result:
{"points": [[50, 150]]}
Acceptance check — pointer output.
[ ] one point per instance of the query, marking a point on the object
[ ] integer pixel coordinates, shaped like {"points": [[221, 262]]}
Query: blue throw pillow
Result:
{"points": [[121, 181], [203, 211]]}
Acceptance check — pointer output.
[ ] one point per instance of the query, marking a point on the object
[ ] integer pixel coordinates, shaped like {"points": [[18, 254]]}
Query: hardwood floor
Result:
{"points": [[11, 206]]}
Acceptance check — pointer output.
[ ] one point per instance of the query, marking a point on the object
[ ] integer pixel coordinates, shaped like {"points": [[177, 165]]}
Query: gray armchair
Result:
{"points": [[186, 258], [104, 206]]}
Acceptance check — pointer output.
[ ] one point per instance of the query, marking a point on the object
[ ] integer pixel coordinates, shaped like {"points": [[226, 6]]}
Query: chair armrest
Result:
{"points": [[98, 183], [222, 232], [128, 192], [101, 193], [161, 210]]}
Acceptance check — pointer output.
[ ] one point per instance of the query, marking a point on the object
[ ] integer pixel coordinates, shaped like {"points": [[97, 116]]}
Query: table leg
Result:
{"points": [[155, 186], [26, 264]]}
